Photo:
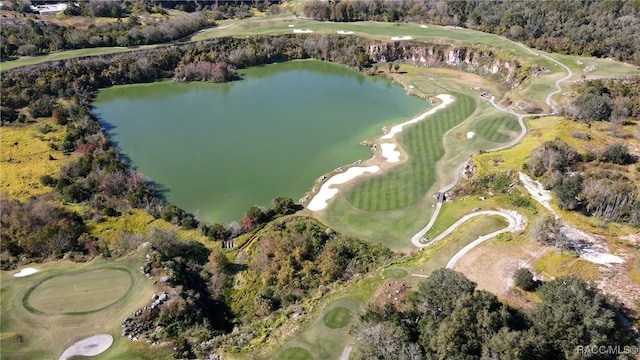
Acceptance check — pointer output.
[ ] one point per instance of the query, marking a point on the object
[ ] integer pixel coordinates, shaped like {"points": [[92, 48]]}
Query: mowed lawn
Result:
{"points": [[497, 128], [73, 301], [406, 184], [79, 292]]}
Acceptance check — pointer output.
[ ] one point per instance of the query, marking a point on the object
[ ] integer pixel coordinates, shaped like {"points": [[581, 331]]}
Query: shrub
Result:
{"points": [[523, 278], [617, 154], [48, 180]]}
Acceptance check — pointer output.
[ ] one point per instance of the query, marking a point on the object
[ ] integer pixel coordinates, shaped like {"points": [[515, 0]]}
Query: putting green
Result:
{"points": [[78, 292], [337, 318], [295, 353]]}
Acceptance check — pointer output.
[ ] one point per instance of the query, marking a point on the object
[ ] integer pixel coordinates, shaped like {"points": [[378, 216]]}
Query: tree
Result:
{"points": [[523, 278], [551, 155], [567, 189], [574, 313], [284, 206], [27, 50], [617, 154], [548, 231], [593, 107], [473, 322]]}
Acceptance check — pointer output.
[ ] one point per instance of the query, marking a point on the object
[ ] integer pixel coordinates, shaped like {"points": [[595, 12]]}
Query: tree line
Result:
{"points": [[590, 28], [29, 38], [447, 317]]}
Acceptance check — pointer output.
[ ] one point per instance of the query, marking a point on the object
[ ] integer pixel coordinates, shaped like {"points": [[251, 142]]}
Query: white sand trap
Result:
{"points": [[470, 134], [401, 38], [300, 31], [25, 272], [342, 32], [390, 153], [290, 25], [446, 100], [424, 26], [90, 346], [319, 201]]}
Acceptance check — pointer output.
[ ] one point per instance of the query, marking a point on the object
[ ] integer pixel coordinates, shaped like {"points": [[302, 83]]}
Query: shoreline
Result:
{"points": [[389, 153]]}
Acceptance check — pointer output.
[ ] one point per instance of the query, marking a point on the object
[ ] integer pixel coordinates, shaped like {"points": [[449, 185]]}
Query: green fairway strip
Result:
{"points": [[402, 186]]}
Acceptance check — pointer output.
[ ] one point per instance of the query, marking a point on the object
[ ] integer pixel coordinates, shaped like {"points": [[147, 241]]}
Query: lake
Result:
{"points": [[218, 149]]}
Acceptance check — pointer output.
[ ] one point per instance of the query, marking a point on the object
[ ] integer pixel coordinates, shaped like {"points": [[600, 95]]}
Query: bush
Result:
{"points": [[48, 180], [523, 278], [617, 154]]}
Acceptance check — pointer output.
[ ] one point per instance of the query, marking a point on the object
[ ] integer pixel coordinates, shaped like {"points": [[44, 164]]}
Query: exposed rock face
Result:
{"points": [[481, 62]]}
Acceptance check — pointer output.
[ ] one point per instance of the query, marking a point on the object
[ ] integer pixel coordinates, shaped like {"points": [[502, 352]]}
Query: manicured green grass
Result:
{"points": [[497, 128], [67, 54], [294, 353], [323, 341], [337, 318], [407, 183], [395, 272], [33, 335], [79, 292]]}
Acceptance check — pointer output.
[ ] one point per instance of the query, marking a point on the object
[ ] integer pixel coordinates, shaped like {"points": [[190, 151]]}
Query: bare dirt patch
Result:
{"points": [[393, 292], [492, 265]]}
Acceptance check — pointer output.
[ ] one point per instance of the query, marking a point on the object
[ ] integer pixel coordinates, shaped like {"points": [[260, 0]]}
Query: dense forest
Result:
{"points": [[447, 317], [28, 35], [591, 28]]}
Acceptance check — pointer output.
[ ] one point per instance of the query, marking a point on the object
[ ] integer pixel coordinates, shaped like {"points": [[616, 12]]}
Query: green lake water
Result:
{"points": [[218, 149]]}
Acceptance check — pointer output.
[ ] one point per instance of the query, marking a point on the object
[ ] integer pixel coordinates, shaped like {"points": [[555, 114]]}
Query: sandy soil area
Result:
{"points": [[326, 192], [389, 152], [401, 38], [25, 272], [588, 246], [90, 346]]}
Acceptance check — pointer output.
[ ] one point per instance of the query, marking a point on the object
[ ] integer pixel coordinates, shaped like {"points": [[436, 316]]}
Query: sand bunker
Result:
{"points": [[90, 346], [390, 153], [290, 25], [25, 272], [342, 32], [470, 134], [300, 31], [424, 26], [446, 100], [319, 201], [401, 38]]}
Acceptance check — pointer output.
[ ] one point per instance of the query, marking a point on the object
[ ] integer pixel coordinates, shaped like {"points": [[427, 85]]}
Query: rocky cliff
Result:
{"points": [[481, 62]]}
